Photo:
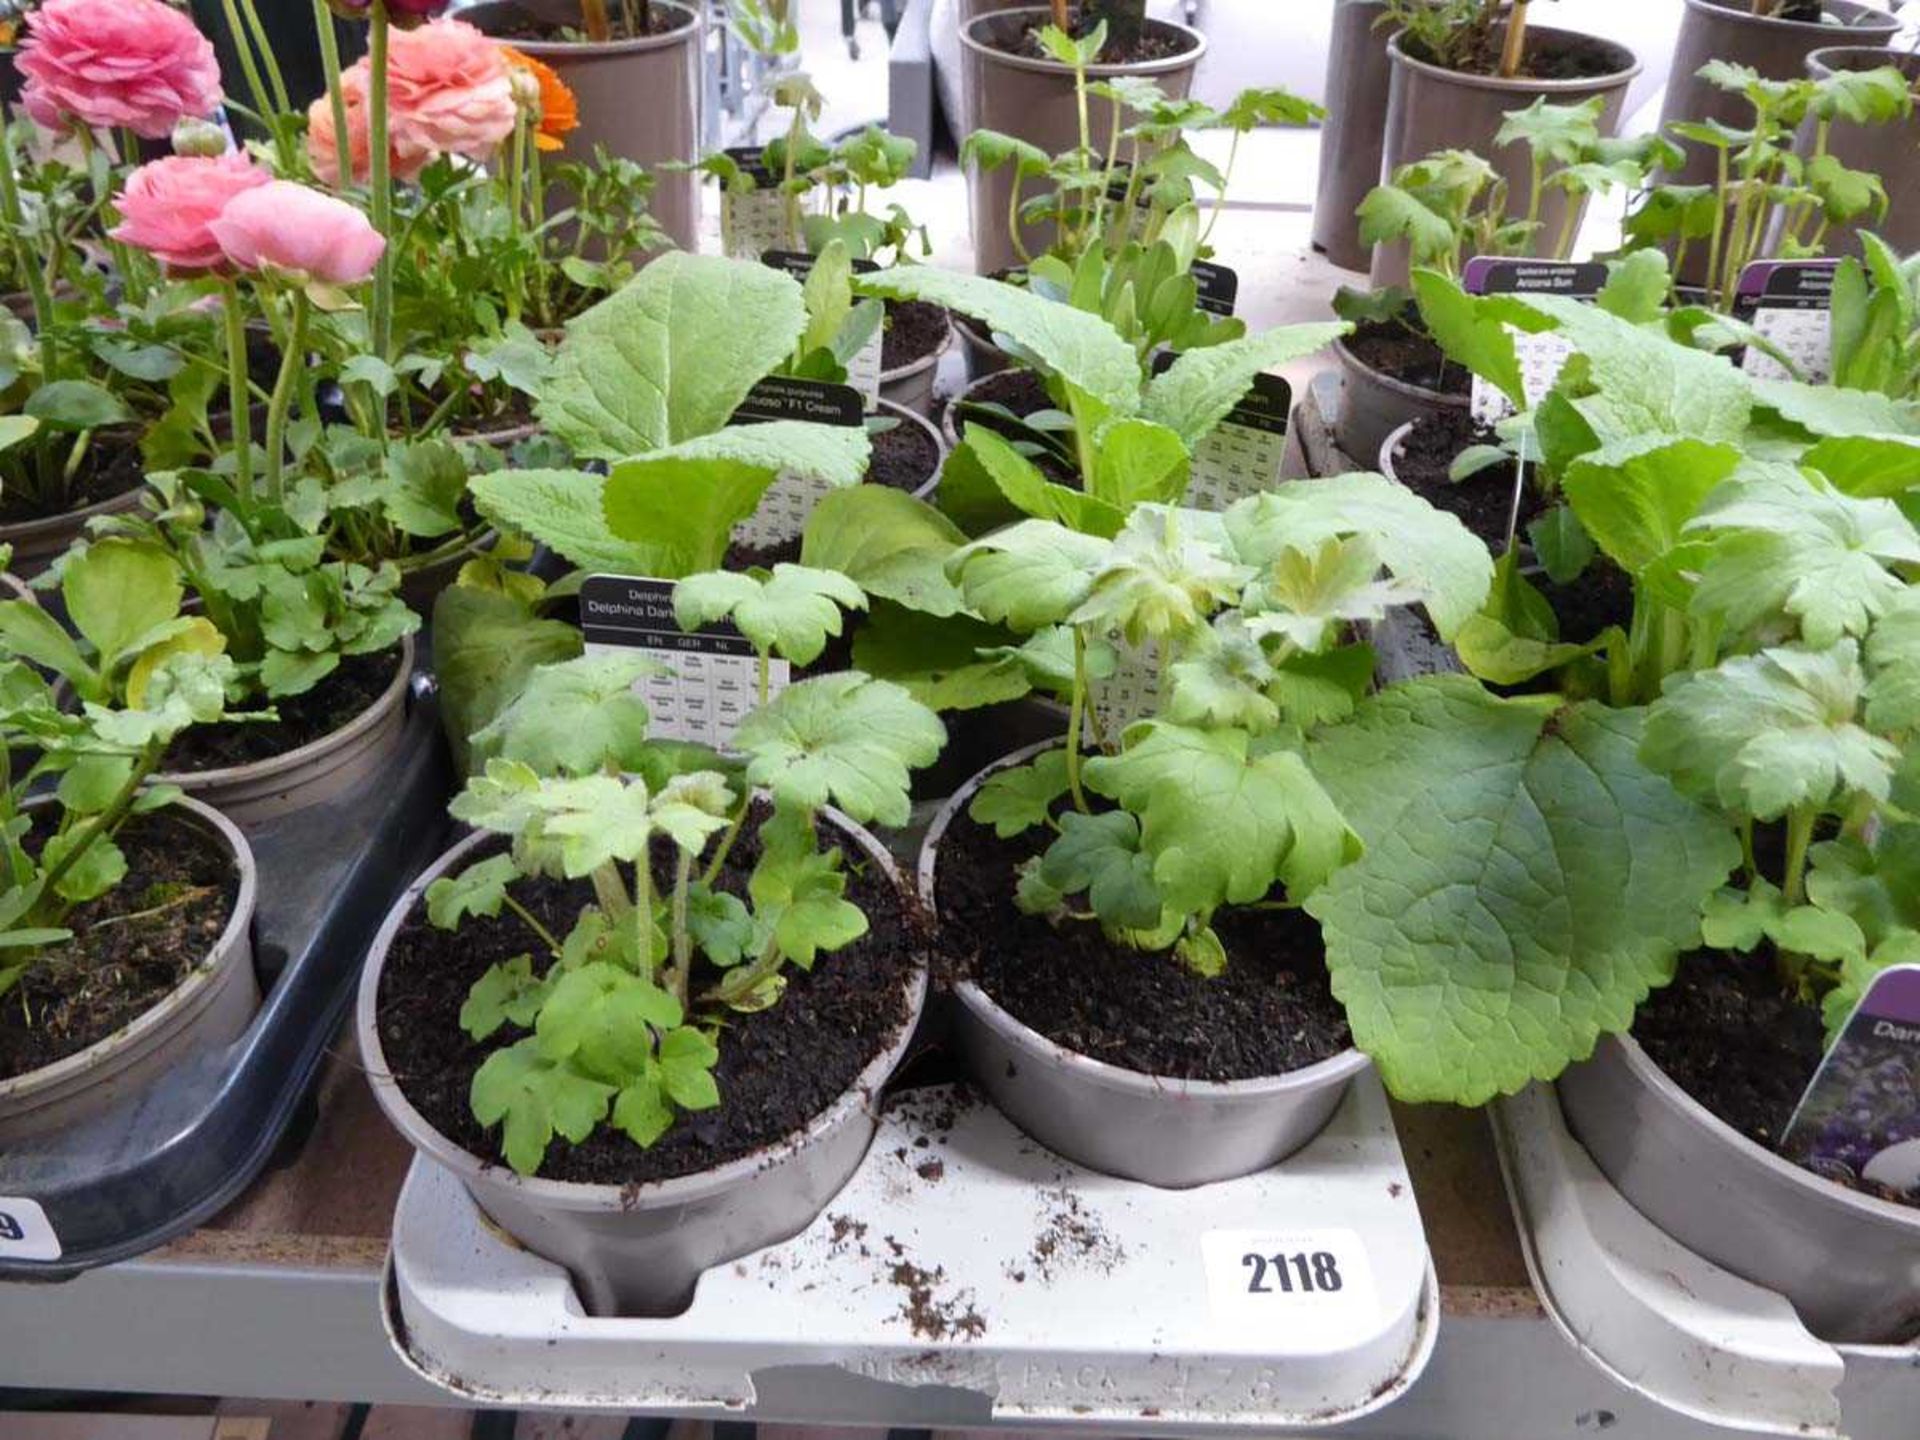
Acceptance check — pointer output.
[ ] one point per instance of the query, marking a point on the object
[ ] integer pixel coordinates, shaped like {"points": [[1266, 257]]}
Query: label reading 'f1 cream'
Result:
{"points": [[25, 1232], [1293, 1291]]}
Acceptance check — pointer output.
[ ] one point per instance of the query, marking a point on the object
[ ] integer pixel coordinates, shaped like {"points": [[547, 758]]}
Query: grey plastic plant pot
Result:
{"points": [[1375, 405], [640, 99], [335, 764], [949, 418], [905, 415], [1430, 108], [38, 543], [1849, 1263], [1729, 30], [1177, 1134], [910, 386], [1359, 78], [981, 355], [639, 1250], [210, 1008], [1033, 100], [1888, 151]]}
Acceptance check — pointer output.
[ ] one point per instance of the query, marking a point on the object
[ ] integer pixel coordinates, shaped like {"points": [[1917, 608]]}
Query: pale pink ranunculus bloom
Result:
{"points": [[109, 63], [406, 161], [299, 234], [168, 207], [450, 91]]}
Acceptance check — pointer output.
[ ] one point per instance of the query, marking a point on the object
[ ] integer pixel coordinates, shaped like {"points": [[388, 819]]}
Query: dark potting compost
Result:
{"points": [[1270, 1013], [131, 947], [915, 329], [778, 1068], [1546, 57], [337, 700], [905, 457], [111, 467], [1483, 501], [1407, 355], [1152, 43], [519, 25]]}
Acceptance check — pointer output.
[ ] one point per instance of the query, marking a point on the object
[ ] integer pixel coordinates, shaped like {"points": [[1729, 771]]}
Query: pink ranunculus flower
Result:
{"points": [[406, 161], [108, 63], [449, 91], [299, 234], [168, 207]]}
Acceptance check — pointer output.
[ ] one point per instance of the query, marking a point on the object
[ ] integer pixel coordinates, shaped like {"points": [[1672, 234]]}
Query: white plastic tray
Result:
{"points": [[1670, 1325], [965, 1277]]}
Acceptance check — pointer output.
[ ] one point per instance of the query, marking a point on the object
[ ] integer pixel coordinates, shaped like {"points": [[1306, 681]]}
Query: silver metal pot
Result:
{"points": [[1152, 1128]]}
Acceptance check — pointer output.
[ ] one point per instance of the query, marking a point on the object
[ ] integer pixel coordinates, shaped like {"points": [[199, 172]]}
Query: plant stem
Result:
{"points": [[593, 19], [237, 393], [532, 922], [104, 823], [380, 178], [1226, 179], [37, 286], [336, 97], [1074, 722], [276, 82], [250, 67], [292, 360], [1514, 51], [1060, 16], [682, 937], [1800, 823], [643, 912], [1718, 237]]}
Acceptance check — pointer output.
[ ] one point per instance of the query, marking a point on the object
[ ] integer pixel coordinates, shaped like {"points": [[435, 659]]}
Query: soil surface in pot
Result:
{"points": [[1270, 1013], [1408, 356], [131, 947], [518, 25], [778, 1068], [1152, 43], [337, 700], [915, 329], [905, 458], [1600, 596], [1546, 57], [1481, 501], [1727, 1033], [111, 467]]}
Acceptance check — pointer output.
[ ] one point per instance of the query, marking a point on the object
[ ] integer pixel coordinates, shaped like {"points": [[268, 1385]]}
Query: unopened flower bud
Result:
{"points": [[199, 137]]}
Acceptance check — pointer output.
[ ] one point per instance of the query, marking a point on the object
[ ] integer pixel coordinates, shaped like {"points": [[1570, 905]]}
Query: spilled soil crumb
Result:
{"points": [[1071, 1235]]}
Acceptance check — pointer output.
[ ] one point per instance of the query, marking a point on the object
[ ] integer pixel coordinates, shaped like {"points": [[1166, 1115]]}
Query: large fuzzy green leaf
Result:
{"points": [[565, 510], [1029, 575], [845, 739], [1526, 882], [670, 355], [1635, 497], [891, 545], [1199, 389], [1083, 349]]}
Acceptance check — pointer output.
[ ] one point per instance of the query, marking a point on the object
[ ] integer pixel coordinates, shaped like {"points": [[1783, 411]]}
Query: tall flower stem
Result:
{"points": [[256, 86], [237, 393], [380, 178], [37, 286], [336, 96], [292, 360]]}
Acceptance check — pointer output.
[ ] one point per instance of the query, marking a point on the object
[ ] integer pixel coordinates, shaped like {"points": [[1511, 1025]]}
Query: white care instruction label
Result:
{"points": [[1133, 691], [1789, 303], [754, 221], [790, 499], [1541, 356], [25, 1231], [1291, 1291], [709, 679], [863, 370], [1242, 455]]}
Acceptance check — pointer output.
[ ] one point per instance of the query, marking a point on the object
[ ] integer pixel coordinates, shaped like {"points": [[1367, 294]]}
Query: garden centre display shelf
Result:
{"points": [[1670, 1325], [967, 1276]]}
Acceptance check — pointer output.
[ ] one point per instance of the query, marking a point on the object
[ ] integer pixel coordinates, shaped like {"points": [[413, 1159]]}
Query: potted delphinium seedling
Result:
{"points": [[125, 908], [636, 929], [1142, 990], [1460, 66]]}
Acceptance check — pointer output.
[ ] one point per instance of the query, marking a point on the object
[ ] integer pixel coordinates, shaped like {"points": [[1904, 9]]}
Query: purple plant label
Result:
{"points": [[1859, 1122], [708, 678], [1540, 356], [863, 371], [1788, 304], [1219, 287]]}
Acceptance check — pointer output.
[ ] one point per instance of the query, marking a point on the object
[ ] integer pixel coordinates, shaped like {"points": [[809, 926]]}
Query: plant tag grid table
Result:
{"points": [[967, 1276]]}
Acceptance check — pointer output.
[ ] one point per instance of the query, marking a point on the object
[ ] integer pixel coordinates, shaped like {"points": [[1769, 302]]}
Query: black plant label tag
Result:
{"points": [[863, 371], [1219, 287], [1859, 1121], [782, 397], [1789, 304], [705, 681]]}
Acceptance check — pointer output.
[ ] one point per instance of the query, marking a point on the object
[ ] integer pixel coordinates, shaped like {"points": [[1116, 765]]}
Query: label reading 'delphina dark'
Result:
{"points": [[1859, 1121], [707, 679]]}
